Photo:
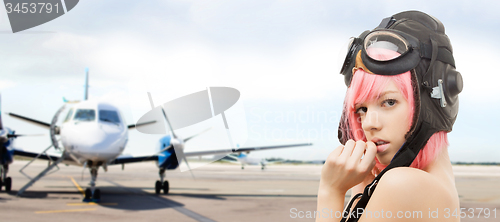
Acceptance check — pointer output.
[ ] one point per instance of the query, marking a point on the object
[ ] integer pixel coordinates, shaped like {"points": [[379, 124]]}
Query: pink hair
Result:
{"points": [[366, 87]]}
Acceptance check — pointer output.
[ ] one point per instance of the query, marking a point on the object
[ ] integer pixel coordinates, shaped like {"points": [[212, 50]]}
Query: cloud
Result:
{"points": [[5, 84]]}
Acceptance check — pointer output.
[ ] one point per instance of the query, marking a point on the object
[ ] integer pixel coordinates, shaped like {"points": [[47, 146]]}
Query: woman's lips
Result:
{"points": [[382, 148]]}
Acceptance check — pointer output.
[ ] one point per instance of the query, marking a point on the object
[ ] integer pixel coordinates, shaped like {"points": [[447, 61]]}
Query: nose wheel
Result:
{"points": [[92, 196]]}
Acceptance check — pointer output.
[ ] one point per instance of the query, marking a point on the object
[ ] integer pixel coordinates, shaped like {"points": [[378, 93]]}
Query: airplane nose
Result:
{"points": [[91, 138]]}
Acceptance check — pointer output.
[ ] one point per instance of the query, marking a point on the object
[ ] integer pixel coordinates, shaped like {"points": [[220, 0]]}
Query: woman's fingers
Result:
{"points": [[334, 155], [348, 148], [358, 151], [368, 162]]}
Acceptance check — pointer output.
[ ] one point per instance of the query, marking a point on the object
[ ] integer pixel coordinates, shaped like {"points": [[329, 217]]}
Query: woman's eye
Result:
{"points": [[361, 110], [389, 102]]}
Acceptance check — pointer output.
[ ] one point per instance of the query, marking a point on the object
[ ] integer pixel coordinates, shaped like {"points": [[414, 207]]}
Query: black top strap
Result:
{"points": [[443, 54]]}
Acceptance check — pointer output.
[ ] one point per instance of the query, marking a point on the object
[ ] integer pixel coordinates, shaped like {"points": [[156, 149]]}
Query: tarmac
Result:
{"points": [[218, 192]]}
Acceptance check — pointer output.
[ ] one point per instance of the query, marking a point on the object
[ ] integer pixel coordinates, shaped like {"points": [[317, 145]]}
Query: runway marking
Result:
{"points": [[91, 203], [168, 203], [63, 211], [77, 186]]}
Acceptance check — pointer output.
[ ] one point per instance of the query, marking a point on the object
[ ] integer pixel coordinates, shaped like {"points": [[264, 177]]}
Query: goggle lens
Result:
{"points": [[385, 46]]}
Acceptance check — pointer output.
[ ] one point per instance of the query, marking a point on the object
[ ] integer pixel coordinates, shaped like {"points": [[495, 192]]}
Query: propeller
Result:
{"points": [[175, 142], [54, 130], [191, 137], [179, 151], [20, 135]]}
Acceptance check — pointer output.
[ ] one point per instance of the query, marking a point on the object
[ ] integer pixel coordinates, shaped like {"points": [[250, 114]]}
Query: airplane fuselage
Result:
{"points": [[94, 131]]}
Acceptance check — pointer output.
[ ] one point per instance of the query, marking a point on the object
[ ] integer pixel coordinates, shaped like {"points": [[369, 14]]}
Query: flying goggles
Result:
{"points": [[388, 52]]}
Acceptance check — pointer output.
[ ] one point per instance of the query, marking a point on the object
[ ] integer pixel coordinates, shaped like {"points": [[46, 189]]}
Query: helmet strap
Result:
{"points": [[434, 55]]}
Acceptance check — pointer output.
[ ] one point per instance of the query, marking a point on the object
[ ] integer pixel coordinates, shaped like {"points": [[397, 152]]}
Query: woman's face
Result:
{"points": [[385, 121]]}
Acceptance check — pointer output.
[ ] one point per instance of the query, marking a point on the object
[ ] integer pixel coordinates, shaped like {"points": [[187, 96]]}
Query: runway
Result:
{"points": [[219, 192]]}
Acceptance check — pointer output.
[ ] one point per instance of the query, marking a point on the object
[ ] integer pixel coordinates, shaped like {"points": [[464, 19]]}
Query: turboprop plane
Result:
{"points": [[243, 159], [7, 137], [171, 154], [94, 135]]}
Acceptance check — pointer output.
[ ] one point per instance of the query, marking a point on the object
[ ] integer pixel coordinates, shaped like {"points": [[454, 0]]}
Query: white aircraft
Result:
{"points": [[244, 159], [94, 135]]}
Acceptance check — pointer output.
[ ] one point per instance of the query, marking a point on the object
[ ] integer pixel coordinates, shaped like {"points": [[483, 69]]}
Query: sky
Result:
{"points": [[283, 57]]}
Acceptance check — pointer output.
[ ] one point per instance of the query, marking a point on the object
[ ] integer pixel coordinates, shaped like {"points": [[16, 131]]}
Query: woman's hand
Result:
{"points": [[344, 167]]}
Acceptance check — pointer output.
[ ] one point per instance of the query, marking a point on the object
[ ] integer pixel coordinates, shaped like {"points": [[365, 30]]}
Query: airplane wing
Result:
{"points": [[132, 126], [133, 159], [243, 149], [154, 157], [230, 159], [30, 120]]}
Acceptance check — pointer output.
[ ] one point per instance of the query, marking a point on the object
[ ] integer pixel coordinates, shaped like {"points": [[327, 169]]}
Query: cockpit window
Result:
{"points": [[84, 115], [109, 116], [68, 117]]}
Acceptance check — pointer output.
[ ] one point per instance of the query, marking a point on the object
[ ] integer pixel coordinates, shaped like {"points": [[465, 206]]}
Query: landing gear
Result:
{"points": [[157, 187], [97, 194], [4, 180], [92, 197], [242, 167], [7, 183], [92, 194], [162, 184], [88, 194], [165, 187]]}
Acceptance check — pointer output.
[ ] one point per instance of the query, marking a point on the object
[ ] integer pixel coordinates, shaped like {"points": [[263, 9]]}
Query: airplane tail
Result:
{"points": [[86, 95]]}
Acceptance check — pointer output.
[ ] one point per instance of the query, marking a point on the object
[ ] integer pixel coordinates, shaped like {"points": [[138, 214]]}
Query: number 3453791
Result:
{"points": [[470, 213], [32, 8]]}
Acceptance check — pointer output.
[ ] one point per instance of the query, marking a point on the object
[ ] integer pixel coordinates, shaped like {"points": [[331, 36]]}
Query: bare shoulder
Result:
{"points": [[404, 179], [413, 192]]}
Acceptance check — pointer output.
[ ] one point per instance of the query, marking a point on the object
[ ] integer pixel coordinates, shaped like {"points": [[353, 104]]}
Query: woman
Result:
{"points": [[401, 101]]}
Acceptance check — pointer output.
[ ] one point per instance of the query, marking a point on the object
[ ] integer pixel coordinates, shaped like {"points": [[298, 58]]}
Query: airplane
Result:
{"points": [[244, 159], [7, 137], [169, 158], [94, 135]]}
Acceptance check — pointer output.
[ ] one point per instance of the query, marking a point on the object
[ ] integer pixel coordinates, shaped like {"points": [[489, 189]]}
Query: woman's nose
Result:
{"points": [[371, 121]]}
